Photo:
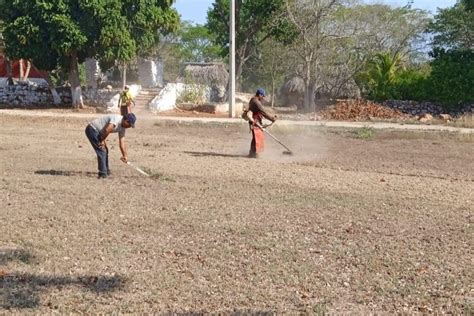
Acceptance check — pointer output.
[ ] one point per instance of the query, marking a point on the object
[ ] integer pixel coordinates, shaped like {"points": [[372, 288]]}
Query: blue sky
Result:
{"points": [[196, 10]]}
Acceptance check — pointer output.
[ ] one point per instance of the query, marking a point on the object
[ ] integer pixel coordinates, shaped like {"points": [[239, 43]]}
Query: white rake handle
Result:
{"points": [[138, 169]]}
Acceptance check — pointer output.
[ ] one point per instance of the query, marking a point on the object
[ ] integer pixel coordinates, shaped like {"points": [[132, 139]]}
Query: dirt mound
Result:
{"points": [[360, 110]]}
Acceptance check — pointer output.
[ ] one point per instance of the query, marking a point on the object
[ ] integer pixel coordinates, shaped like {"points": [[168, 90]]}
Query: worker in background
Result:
{"points": [[126, 101], [254, 115]]}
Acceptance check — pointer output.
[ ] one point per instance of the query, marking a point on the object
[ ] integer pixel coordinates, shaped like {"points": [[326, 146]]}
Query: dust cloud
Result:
{"points": [[305, 144]]}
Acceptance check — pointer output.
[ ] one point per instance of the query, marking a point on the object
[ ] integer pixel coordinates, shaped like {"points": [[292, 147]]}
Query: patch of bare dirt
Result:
{"points": [[380, 224]]}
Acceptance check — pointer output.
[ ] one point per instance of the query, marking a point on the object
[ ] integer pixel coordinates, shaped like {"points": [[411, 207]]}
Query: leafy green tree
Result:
{"points": [[469, 4], [256, 21], [196, 44], [168, 51], [453, 27], [452, 77], [65, 32], [2, 52]]}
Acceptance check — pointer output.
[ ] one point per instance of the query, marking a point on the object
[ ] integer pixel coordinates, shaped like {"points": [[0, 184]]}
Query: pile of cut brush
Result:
{"points": [[358, 110]]}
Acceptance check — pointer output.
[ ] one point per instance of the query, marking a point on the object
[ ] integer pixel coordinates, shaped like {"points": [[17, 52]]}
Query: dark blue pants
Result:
{"points": [[102, 153]]}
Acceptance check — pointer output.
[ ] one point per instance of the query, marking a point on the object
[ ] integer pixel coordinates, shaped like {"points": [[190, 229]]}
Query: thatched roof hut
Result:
{"points": [[209, 74], [294, 85], [212, 75], [292, 92]]}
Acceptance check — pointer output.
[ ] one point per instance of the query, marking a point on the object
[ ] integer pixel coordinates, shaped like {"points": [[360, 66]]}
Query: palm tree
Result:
{"points": [[381, 74]]}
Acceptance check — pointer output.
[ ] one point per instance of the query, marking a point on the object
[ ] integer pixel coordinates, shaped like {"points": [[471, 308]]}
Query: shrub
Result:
{"points": [[411, 84], [452, 78], [192, 93]]}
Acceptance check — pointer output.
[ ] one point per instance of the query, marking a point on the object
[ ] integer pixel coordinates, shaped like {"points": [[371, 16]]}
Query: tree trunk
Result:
{"points": [[309, 95], [124, 75], [54, 92], [76, 90], [20, 65], [8, 63], [309, 85], [27, 71], [238, 73], [273, 92]]}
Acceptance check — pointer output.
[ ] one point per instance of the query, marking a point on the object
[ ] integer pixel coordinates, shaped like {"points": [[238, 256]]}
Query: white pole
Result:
{"points": [[232, 61]]}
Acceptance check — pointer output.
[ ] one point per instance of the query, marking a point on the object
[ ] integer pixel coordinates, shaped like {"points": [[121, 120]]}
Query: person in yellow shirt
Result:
{"points": [[126, 101]]}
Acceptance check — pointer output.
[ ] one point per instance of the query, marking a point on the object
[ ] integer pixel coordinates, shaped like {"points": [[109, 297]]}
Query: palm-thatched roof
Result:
{"points": [[293, 85], [210, 74]]}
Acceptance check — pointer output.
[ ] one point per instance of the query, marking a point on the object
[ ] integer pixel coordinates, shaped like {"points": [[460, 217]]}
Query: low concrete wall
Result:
{"points": [[31, 95], [170, 95], [25, 94], [100, 97], [420, 108]]}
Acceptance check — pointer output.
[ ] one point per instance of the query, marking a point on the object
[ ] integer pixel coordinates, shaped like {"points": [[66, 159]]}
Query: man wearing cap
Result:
{"points": [[255, 121], [125, 101], [97, 132]]}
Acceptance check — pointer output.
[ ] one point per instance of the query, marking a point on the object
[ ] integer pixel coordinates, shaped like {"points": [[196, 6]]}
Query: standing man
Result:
{"points": [[97, 132], [125, 101], [255, 121]]}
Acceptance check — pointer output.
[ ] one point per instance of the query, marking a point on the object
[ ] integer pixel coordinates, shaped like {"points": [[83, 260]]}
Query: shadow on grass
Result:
{"points": [[7, 255], [22, 290], [230, 313], [65, 173], [212, 154]]}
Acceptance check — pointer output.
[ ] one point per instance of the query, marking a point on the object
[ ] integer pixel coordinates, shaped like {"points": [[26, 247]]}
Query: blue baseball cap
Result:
{"points": [[131, 118], [261, 92]]}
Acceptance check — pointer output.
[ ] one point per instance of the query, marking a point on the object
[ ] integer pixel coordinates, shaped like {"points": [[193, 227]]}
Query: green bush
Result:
{"points": [[193, 93], [451, 80], [411, 84]]}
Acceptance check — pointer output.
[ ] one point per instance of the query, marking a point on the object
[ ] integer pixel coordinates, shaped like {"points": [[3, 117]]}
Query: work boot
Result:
{"points": [[253, 155]]}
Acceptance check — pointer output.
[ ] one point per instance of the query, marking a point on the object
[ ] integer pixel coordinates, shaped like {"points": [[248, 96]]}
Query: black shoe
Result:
{"points": [[102, 176], [253, 155]]}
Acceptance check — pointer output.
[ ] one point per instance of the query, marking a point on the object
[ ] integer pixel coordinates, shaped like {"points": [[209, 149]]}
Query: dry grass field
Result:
{"points": [[355, 222]]}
